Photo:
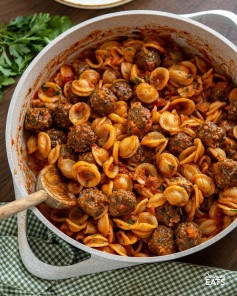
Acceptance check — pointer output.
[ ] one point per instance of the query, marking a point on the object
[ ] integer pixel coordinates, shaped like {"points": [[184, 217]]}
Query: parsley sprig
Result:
{"points": [[22, 39]]}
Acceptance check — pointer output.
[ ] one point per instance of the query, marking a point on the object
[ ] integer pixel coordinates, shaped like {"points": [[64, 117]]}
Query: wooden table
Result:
{"points": [[223, 254]]}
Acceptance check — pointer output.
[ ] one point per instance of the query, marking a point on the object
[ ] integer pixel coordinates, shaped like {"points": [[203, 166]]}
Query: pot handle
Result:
{"points": [[225, 16], [46, 271]]}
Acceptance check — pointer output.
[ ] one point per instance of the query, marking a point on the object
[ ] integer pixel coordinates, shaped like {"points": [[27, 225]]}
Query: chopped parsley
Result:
{"points": [[162, 188], [138, 80], [234, 211], [185, 90], [87, 182], [146, 78], [189, 75], [233, 126], [131, 221], [128, 49], [150, 59], [176, 66], [129, 130], [56, 93], [93, 235], [45, 88], [93, 90], [171, 167]]}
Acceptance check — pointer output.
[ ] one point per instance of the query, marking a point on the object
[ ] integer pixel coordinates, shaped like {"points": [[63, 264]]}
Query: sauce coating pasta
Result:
{"points": [[145, 137]]}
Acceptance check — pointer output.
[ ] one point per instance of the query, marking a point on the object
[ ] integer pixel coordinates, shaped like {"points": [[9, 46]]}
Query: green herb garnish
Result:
{"points": [[233, 126], [234, 211], [150, 59], [146, 78], [56, 93], [171, 167], [189, 75], [93, 235], [128, 49], [22, 39], [45, 88], [93, 90], [138, 80], [131, 221]]}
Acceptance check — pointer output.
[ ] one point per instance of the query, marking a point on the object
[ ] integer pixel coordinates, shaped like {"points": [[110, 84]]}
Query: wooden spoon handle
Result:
{"points": [[22, 204]]}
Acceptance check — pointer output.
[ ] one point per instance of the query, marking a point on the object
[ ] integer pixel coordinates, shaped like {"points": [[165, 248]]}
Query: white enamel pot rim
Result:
{"points": [[15, 106]]}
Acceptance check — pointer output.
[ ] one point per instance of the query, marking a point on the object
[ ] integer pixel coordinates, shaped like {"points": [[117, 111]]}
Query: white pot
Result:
{"points": [[199, 38]]}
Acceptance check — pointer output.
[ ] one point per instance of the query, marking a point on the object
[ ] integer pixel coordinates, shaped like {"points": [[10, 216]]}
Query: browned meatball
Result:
{"points": [[143, 154], [122, 202], [67, 152], [208, 201], [179, 143], [211, 135], [188, 235], [232, 112], [172, 56], [229, 127], [122, 90], [61, 116], [231, 149], [167, 215], [80, 66], [57, 136], [162, 241], [148, 59], [81, 138], [139, 120], [87, 157], [103, 101], [38, 119], [225, 173], [220, 92], [93, 202]]}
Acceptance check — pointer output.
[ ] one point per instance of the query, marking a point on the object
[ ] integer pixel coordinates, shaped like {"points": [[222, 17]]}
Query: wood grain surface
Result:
{"points": [[222, 254]]}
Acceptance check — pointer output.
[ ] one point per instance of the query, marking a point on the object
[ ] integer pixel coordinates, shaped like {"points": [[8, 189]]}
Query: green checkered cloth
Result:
{"points": [[168, 278]]}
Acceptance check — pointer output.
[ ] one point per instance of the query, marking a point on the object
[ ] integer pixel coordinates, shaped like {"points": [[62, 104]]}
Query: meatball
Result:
{"points": [[122, 202], [57, 136], [81, 138], [148, 59], [38, 119], [103, 101], [162, 241], [167, 215], [225, 173], [139, 120], [211, 135], [188, 235], [228, 126], [93, 202], [179, 143], [231, 149], [122, 90], [67, 152], [80, 66], [143, 154], [232, 112], [172, 56], [208, 201], [87, 157], [220, 92], [61, 116]]}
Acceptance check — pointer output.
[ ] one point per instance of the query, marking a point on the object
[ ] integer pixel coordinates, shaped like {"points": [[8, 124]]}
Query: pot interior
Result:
{"points": [[188, 34]]}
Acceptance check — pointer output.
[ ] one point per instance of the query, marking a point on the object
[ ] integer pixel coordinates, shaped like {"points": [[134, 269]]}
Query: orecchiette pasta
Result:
{"points": [[139, 133]]}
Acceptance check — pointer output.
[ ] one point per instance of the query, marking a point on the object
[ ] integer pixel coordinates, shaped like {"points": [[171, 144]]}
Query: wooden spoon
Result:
{"points": [[51, 189]]}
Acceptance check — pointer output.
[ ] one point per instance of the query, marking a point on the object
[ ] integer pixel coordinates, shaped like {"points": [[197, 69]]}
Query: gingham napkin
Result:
{"points": [[169, 278]]}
